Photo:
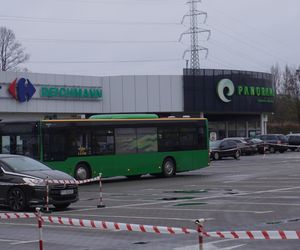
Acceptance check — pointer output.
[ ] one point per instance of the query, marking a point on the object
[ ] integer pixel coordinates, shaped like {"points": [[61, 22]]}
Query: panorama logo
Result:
{"points": [[22, 90], [225, 90]]}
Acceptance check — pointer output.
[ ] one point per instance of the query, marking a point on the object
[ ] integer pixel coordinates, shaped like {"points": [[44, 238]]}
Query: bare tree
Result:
{"points": [[277, 78], [11, 51]]}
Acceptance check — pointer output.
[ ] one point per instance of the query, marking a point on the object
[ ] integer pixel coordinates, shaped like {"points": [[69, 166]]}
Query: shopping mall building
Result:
{"points": [[236, 103]]}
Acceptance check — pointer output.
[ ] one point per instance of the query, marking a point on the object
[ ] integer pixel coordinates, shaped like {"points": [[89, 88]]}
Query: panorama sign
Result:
{"points": [[226, 89]]}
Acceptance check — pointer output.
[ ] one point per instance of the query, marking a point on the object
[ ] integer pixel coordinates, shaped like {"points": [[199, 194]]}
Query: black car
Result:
{"points": [[224, 148], [22, 182], [246, 147], [258, 144], [294, 141], [274, 142]]}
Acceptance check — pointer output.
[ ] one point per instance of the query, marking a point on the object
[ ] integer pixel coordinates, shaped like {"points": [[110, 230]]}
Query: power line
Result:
{"points": [[109, 61], [249, 44], [53, 40], [81, 21]]}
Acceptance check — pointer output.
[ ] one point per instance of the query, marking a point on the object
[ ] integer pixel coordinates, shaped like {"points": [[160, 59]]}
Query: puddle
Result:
{"points": [[283, 221], [176, 198], [188, 191], [140, 243], [190, 204]]}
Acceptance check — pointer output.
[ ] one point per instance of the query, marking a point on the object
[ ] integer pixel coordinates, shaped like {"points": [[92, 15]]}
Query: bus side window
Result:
{"points": [[55, 146], [103, 142]]}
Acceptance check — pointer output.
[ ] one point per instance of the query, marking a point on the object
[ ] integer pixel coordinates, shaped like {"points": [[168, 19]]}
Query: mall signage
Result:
{"points": [[71, 92], [226, 89], [22, 90], [217, 91]]}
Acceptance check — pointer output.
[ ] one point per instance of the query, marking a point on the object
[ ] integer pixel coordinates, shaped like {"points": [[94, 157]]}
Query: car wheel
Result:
{"points": [[61, 206], [216, 156], [272, 150], [169, 168], [82, 172], [237, 154], [16, 199]]}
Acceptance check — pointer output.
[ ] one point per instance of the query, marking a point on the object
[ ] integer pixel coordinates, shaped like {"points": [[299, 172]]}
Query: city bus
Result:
{"points": [[113, 145]]}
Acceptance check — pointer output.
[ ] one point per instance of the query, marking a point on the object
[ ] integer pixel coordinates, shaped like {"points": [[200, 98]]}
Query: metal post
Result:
{"points": [[40, 224], [47, 196], [100, 204], [200, 224]]}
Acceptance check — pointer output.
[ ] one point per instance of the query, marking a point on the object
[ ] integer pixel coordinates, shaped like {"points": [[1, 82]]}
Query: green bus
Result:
{"points": [[114, 145]]}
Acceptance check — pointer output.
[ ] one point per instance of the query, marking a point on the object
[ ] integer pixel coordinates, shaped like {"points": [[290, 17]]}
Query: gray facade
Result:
{"points": [[119, 94]]}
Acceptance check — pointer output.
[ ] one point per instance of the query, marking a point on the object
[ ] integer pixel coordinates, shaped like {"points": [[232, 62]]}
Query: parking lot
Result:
{"points": [[259, 192]]}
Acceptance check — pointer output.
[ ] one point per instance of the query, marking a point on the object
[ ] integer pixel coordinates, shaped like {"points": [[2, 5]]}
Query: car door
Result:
{"points": [[5, 181], [225, 148]]}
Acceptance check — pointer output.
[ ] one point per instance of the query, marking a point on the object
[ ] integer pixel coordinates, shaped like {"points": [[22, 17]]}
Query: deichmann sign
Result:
{"points": [[226, 89], [71, 92]]}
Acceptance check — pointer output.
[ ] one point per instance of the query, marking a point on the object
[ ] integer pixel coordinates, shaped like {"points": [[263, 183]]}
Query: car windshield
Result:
{"points": [[214, 144], [24, 164]]}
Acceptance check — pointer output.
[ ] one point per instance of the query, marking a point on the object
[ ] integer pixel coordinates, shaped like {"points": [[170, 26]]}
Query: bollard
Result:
{"points": [[47, 196], [200, 224], [100, 204], [40, 223]]}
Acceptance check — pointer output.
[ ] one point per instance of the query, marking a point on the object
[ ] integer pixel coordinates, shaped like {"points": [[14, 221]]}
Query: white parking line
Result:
{"points": [[210, 197], [6, 240], [206, 210], [267, 203], [210, 246], [133, 217], [24, 242]]}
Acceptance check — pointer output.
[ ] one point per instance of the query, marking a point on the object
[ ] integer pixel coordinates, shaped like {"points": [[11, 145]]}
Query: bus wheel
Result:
{"points": [[82, 172], [169, 168]]}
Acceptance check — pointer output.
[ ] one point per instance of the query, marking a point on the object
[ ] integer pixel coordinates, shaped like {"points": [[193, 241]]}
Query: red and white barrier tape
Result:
{"points": [[68, 181], [8, 216], [113, 226], [255, 235], [73, 181]]}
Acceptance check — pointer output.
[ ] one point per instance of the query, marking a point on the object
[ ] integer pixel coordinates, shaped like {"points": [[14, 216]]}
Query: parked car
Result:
{"points": [[258, 144], [224, 148], [294, 140], [23, 184], [275, 142], [247, 148]]}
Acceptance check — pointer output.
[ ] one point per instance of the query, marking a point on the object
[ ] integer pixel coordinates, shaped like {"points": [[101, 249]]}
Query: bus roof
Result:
{"points": [[125, 116], [122, 120]]}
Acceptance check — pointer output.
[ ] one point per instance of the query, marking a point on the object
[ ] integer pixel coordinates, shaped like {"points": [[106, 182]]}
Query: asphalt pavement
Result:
{"points": [[258, 192]]}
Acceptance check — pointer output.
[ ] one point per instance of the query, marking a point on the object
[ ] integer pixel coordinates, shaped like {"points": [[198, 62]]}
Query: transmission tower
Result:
{"points": [[194, 31]]}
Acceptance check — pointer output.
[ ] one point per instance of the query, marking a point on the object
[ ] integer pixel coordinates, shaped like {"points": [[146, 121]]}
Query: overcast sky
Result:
{"points": [[127, 37]]}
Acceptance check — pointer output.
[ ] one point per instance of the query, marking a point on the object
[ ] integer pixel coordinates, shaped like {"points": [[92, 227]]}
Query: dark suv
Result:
{"points": [[294, 141], [224, 148], [275, 142]]}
